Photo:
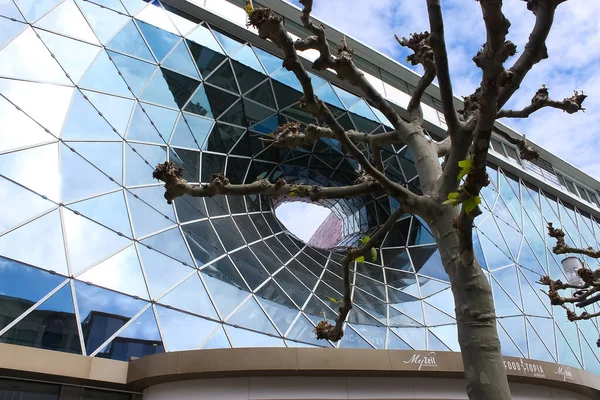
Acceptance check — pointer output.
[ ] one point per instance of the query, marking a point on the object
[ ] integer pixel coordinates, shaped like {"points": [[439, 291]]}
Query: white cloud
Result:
{"points": [[301, 219], [572, 47]]}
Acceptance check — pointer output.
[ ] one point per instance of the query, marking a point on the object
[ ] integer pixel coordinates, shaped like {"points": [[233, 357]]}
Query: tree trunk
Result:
{"points": [[485, 374]]}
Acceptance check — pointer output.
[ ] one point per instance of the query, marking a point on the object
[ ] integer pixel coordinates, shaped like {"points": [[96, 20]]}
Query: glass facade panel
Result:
{"points": [[98, 246]]}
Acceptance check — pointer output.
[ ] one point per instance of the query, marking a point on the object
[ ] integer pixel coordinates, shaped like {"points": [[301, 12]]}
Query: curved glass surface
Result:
{"points": [[94, 261]]}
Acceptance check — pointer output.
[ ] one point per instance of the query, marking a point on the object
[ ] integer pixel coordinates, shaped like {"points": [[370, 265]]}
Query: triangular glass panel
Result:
{"points": [[262, 94], [145, 219], [247, 77], [162, 273], [141, 338], [106, 156], [83, 122], [135, 72], [9, 10], [206, 60], [253, 112], [60, 333], [285, 95], [161, 42], [97, 244], [183, 137], [170, 243], [435, 344], [228, 43], [376, 308], [490, 240], [9, 29], [17, 130], [153, 196], [508, 346], [163, 118], [566, 356], [140, 161], [204, 243], [247, 57], [420, 233], [226, 295], [352, 340], [504, 305], [204, 36], [443, 300], [251, 316], [20, 206], [39, 243], [218, 340], [101, 319], [433, 316], [426, 261], [130, 42], [277, 305], [270, 62], [180, 60], [116, 110], [398, 319], [191, 296], [199, 104], [415, 337], [248, 265], [244, 338], [478, 250], [515, 327], [133, 7], [326, 93], [142, 129], [200, 127], [105, 23], [18, 294], [395, 343], [303, 331], [448, 335], [223, 77], [507, 277], [80, 179], [158, 17], [537, 349], [183, 331], [110, 4], [347, 98], [375, 335], [32, 9], [223, 137], [27, 58], [287, 78], [180, 86], [219, 100], [528, 260], [109, 210], [121, 272], [77, 27], [544, 328], [531, 303], [189, 161]]}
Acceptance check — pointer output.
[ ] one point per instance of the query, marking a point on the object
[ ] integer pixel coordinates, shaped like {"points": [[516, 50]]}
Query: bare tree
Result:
{"points": [[444, 187], [585, 286]]}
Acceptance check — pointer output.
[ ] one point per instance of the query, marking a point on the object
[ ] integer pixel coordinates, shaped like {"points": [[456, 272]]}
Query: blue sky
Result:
{"points": [[574, 63], [302, 219]]}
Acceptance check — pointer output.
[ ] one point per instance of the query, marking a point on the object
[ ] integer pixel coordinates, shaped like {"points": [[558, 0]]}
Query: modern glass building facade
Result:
{"points": [[93, 261]]}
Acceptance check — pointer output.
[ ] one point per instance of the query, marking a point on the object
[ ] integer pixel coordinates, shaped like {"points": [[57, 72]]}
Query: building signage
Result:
{"points": [[527, 367], [423, 361], [565, 372]]}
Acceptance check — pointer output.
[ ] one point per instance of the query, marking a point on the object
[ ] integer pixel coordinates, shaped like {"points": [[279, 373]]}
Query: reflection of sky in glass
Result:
{"points": [[89, 234]]}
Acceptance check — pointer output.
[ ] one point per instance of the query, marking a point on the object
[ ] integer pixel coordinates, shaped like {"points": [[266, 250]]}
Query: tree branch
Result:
{"points": [[423, 54], [562, 248], [535, 49], [438, 42], [324, 329], [541, 99], [270, 26], [176, 186]]}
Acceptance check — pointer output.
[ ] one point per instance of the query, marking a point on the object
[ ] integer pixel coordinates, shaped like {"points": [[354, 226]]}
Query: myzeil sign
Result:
{"points": [[423, 361], [527, 367], [565, 372]]}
